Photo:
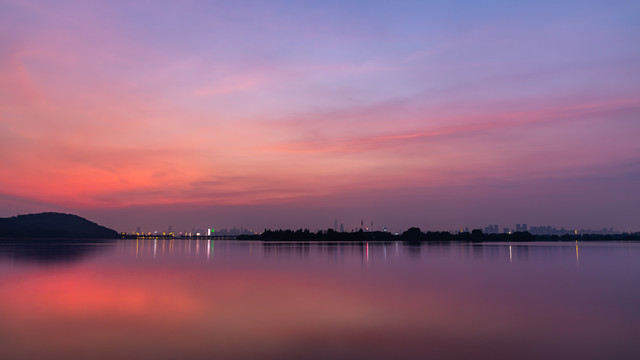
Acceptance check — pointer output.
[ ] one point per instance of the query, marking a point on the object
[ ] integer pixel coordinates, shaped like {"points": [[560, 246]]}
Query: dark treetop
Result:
{"points": [[52, 225], [414, 234]]}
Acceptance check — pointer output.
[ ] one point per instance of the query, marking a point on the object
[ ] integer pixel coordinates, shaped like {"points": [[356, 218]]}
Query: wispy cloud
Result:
{"points": [[461, 126], [114, 103]]}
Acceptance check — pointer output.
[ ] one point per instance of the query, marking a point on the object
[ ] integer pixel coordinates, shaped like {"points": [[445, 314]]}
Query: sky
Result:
{"points": [[293, 114]]}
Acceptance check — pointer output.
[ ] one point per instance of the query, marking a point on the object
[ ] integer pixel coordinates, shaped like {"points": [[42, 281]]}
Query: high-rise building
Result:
{"points": [[491, 229], [335, 225], [341, 227]]}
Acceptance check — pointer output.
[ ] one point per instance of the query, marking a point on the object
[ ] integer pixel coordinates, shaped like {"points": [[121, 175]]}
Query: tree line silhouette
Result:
{"points": [[414, 234]]}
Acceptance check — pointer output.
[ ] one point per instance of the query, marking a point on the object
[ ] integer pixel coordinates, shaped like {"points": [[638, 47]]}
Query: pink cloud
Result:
{"points": [[461, 125]]}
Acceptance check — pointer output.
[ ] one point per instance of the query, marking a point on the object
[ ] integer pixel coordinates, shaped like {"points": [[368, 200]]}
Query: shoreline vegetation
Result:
{"points": [[416, 235]]}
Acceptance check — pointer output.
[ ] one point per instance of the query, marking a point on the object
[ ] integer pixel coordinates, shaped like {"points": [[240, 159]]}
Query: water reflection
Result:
{"points": [[367, 252], [64, 251], [51, 251], [277, 251], [168, 299]]}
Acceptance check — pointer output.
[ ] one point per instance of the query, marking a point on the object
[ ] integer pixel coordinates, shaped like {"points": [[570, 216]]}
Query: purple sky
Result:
{"points": [[278, 114]]}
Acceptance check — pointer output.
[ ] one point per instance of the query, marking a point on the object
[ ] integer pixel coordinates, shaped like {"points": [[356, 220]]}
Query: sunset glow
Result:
{"points": [[292, 114]]}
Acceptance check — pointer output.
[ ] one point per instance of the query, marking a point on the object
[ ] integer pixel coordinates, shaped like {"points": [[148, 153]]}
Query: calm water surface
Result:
{"points": [[156, 299]]}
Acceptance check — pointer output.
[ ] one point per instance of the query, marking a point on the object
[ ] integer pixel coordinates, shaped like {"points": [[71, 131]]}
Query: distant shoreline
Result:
{"points": [[397, 238], [65, 227], [411, 235]]}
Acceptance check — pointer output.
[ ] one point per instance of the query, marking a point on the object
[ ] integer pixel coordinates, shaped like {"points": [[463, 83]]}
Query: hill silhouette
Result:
{"points": [[53, 225]]}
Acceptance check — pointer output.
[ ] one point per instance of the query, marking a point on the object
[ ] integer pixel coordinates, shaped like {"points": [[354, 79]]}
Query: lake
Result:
{"points": [[188, 299]]}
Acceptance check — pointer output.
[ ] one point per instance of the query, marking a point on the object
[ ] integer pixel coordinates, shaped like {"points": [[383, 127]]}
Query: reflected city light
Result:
{"points": [[367, 247]]}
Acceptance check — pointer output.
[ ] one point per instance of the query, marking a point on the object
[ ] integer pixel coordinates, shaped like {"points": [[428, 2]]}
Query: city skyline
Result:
{"points": [[287, 114], [489, 229]]}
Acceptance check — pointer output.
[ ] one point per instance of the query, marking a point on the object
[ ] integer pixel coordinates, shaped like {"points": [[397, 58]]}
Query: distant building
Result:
{"points": [[491, 229], [341, 227], [522, 227]]}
